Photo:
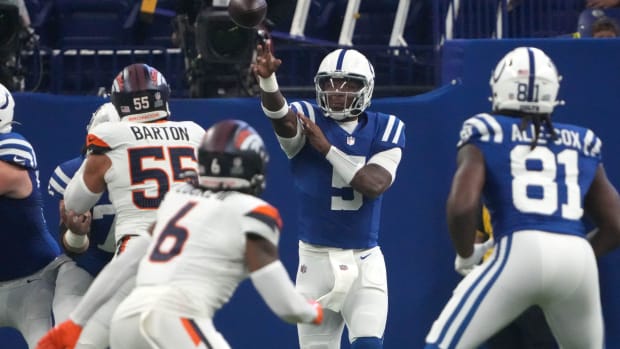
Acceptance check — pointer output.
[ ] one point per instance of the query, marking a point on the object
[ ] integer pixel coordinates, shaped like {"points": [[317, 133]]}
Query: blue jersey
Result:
{"points": [[330, 212], [539, 189], [101, 248], [27, 244]]}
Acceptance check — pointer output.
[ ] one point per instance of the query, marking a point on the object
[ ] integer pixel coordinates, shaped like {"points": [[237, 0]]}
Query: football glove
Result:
{"points": [[465, 265], [63, 336], [319, 312]]}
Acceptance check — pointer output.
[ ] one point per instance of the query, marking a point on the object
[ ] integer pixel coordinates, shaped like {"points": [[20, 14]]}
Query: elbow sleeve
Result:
{"points": [[78, 197]]}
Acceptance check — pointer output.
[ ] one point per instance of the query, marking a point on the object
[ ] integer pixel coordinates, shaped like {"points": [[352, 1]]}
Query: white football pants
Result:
{"points": [[71, 284], [351, 285], [558, 272], [26, 303], [162, 330]]}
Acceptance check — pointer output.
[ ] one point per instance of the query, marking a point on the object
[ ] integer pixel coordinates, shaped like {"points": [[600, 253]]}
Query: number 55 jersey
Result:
{"points": [[148, 159], [535, 188]]}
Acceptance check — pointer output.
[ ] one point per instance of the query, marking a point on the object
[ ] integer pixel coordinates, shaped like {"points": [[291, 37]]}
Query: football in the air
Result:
{"points": [[247, 13]]}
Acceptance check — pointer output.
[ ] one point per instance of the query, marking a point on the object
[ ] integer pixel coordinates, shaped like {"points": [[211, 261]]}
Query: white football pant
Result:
{"points": [[352, 287], [71, 284], [163, 330], [555, 271], [26, 303]]}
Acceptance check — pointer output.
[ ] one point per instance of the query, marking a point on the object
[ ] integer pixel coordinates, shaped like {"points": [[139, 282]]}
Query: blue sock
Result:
{"points": [[367, 343]]}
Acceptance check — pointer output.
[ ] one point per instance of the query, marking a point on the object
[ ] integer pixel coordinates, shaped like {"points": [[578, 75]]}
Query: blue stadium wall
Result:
{"points": [[414, 237]]}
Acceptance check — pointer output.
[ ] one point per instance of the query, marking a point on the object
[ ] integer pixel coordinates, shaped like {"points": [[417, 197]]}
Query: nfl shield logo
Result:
{"points": [[350, 140]]}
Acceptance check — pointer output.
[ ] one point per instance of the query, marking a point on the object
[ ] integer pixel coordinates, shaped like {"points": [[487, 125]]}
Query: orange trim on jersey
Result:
{"points": [[271, 212], [123, 245], [91, 139], [191, 331]]}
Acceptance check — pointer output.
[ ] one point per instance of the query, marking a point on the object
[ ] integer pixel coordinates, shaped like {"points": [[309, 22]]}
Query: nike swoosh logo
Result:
{"points": [[19, 160], [496, 78], [365, 256]]}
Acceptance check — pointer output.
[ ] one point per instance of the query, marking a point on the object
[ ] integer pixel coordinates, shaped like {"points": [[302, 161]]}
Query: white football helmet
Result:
{"points": [[7, 106], [525, 80], [347, 64], [105, 113]]}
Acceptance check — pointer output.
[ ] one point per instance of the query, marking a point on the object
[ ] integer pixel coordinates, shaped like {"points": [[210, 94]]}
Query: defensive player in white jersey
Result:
{"points": [[343, 158], [210, 235], [75, 276], [30, 256], [537, 179], [137, 160]]}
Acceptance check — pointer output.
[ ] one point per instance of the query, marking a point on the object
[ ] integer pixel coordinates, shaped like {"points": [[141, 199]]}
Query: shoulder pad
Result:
{"points": [[592, 145], [306, 108], [15, 149], [392, 129], [481, 128]]}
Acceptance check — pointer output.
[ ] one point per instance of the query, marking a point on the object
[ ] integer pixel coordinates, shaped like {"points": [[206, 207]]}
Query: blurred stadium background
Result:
{"points": [[81, 43], [432, 59]]}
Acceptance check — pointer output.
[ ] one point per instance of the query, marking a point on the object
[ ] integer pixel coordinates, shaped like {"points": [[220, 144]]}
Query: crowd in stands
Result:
{"points": [[122, 24]]}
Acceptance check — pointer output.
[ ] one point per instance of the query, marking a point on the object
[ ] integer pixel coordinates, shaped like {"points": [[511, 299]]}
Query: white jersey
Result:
{"points": [[148, 159], [196, 258]]}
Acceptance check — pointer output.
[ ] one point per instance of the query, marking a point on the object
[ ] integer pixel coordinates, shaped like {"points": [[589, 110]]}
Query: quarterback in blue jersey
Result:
{"points": [[75, 277], [537, 179], [343, 158], [30, 256]]}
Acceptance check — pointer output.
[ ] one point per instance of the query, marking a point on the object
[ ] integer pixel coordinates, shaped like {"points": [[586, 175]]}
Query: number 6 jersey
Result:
{"points": [[541, 188], [196, 258], [148, 159]]}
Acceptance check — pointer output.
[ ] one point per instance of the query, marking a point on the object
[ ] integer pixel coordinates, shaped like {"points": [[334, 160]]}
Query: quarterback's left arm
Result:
{"points": [[374, 178], [371, 179]]}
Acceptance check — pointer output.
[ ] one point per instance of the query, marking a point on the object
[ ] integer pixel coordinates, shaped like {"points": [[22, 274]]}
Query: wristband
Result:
{"points": [[342, 164], [268, 84], [76, 241], [276, 114]]}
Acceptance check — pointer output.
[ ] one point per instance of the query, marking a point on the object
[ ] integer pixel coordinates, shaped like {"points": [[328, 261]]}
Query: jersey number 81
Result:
{"points": [[545, 177]]}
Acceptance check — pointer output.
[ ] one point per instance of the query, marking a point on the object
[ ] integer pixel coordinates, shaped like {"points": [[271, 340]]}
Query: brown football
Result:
{"points": [[247, 13]]}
